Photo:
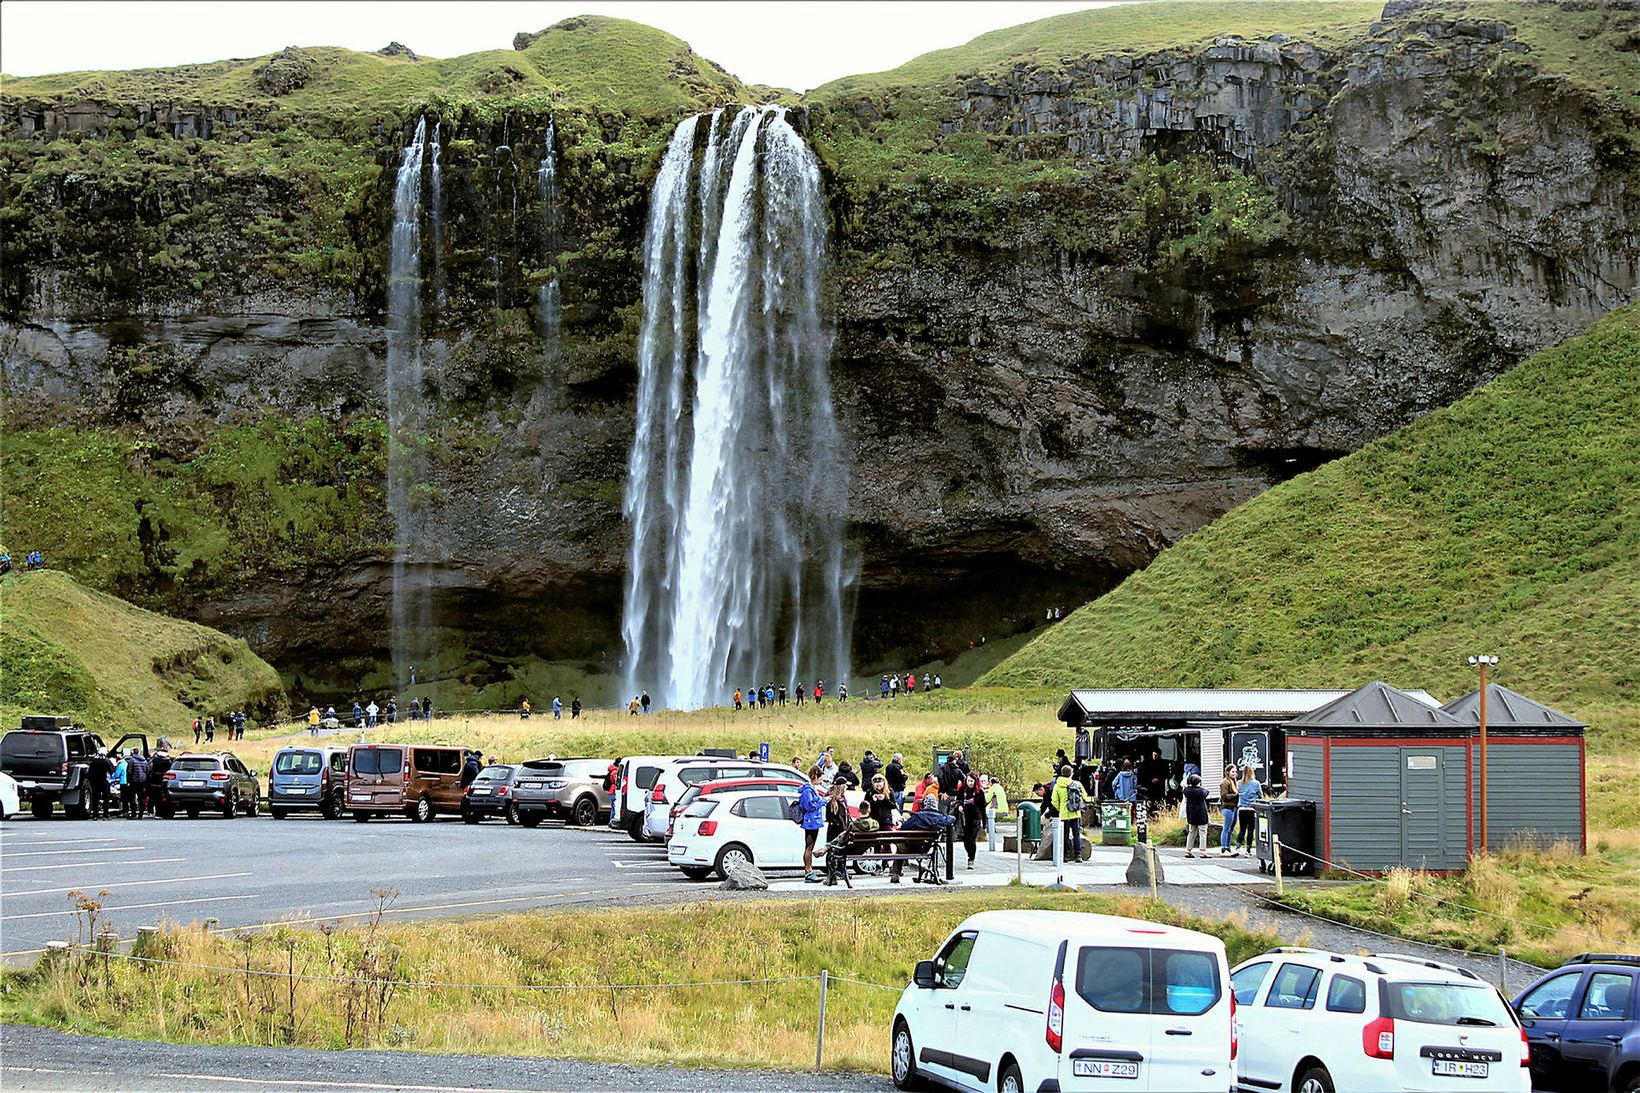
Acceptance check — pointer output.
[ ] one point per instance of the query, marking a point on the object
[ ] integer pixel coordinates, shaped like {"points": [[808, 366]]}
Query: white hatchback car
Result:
{"points": [[1021, 1001], [1312, 1021], [721, 830], [678, 775]]}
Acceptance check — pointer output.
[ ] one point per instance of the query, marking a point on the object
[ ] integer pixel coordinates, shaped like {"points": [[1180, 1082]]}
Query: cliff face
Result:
{"points": [[1190, 273]]}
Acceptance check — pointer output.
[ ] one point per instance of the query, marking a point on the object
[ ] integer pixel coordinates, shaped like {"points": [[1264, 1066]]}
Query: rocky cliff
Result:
{"points": [[1084, 303]]}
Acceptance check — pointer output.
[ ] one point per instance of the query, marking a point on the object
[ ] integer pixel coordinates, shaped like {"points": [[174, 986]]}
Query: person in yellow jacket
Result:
{"points": [[996, 804], [313, 720], [1067, 803]]}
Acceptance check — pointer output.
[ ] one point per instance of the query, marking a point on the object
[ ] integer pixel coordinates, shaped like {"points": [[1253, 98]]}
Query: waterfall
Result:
{"points": [[736, 486], [436, 199], [406, 421], [548, 305]]}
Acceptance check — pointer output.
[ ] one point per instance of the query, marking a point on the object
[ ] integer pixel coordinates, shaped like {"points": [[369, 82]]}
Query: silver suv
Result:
{"points": [[571, 790]]}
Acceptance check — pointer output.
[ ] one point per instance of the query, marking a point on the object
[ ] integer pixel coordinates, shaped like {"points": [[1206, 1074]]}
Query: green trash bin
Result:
{"points": [[1116, 823], [1030, 822]]}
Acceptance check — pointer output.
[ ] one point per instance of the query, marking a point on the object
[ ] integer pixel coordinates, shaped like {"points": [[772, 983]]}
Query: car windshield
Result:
{"points": [[196, 762], [378, 761], [1447, 1004], [298, 762]]}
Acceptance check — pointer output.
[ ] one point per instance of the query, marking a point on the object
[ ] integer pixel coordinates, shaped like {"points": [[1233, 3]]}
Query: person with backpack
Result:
{"points": [[809, 812], [158, 767], [199, 727], [1068, 800]]}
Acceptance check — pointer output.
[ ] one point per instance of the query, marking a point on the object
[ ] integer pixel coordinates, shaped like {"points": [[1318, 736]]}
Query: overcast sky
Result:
{"points": [[798, 45]]}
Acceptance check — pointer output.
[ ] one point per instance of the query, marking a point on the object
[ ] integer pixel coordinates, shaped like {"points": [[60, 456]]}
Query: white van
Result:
{"points": [[1017, 1001], [628, 799]]}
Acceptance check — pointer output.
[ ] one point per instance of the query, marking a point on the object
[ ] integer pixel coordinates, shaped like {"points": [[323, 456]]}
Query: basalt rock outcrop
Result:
{"points": [[1036, 396]]}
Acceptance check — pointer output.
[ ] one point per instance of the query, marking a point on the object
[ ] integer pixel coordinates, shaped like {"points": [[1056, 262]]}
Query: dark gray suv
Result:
{"points": [[571, 790], [213, 780]]}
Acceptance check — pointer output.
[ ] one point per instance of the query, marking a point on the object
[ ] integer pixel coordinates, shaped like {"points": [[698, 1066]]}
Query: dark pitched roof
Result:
{"points": [[1506, 709], [1380, 706]]}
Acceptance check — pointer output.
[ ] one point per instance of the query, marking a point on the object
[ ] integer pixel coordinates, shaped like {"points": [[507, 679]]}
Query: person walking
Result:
{"points": [[99, 771], [1248, 794], [845, 774], [811, 817], [557, 708], [643, 700], [950, 779], [199, 727], [894, 686], [1229, 798], [632, 707], [524, 709], [797, 692], [1067, 802], [1195, 814], [970, 814], [470, 768], [358, 715], [575, 707], [894, 773], [882, 686], [870, 766], [158, 767], [210, 728]]}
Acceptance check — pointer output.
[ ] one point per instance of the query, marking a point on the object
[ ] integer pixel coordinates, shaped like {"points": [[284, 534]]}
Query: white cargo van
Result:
{"points": [[1019, 1001]]}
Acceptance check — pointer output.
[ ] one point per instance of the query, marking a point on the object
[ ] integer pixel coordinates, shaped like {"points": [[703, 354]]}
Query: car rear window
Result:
{"points": [[694, 776], [197, 762], [298, 762], [1446, 1004], [645, 778], [701, 808], [32, 745], [495, 774], [1175, 982], [378, 761], [544, 766]]}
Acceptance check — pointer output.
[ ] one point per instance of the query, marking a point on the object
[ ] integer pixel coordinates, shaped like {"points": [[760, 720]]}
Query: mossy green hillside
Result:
{"points": [[1503, 523], [66, 649]]}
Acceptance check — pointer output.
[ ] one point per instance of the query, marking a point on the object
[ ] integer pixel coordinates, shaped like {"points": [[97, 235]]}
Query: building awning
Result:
{"points": [[1146, 706]]}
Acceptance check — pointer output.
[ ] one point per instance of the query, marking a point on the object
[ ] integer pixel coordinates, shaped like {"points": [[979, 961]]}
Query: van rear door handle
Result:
{"points": [[966, 1009], [1179, 1032], [950, 1005]]}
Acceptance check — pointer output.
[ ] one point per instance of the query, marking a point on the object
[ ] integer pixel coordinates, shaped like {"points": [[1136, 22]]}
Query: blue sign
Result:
{"points": [[763, 752]]}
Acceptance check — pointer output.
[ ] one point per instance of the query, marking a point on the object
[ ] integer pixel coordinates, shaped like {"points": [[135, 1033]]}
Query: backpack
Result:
{"points": [[1075, 799], [794, 810]]}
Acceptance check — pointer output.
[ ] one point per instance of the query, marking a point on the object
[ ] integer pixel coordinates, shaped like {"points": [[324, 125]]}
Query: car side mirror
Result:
{"points": [[253, 774], [924, 975]]}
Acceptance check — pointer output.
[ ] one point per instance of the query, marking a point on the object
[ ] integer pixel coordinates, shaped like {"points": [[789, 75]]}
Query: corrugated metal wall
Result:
{"points": [[1534, 794], [1370, 829]]}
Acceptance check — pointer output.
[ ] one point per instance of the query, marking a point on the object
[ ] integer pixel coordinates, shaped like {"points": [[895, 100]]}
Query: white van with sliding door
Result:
{"points": [[1023, 1001]]}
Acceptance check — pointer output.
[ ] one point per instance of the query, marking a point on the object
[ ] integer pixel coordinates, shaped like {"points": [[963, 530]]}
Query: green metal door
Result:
{"points": [[1423, 808]]}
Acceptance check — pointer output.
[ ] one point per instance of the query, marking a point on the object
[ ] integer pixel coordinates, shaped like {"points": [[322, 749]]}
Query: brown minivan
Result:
{"points": [[417, 780]]}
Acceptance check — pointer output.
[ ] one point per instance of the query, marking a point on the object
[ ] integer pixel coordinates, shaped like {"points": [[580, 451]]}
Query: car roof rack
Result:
{"points": [[1427, 963], [1605, 958]]}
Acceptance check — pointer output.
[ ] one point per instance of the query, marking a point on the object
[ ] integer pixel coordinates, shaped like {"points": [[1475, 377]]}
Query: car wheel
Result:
{"points": [[40, 808], [1314, 1080], [1633, 1084], [586, 812], [424, 810], [193, 812], [361, 817], [697, 872], [277, 813], [468, 816], [229, 807], [255, 806], [331, 807], [634, 828], [167, 812], [730, 856], [512, 813], [1010, 1082], [530, 819], [902, 1059]]}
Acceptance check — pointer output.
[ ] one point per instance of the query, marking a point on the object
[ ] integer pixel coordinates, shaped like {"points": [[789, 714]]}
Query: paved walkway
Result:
{"points": [[1107, 867]]}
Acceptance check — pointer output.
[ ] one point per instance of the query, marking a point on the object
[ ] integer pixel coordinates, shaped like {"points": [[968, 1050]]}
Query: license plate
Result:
{"points": [[532, 785], [480, 792], [1459, 1068], [193, 785], [1104, 1068], [364, 796]]}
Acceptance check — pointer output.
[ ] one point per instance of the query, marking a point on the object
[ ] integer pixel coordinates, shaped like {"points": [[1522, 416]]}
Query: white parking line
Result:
{"points": [[50, 842], [133, 906], [126, 884], [88, 865], [47, 853]]}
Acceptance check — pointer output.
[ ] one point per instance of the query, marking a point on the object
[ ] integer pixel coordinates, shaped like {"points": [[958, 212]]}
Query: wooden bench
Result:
{"points": [[922, 848]]}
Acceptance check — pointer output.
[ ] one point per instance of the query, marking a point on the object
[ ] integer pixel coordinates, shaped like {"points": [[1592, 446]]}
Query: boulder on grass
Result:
{"points": [[1139, 869], [745, 878]]}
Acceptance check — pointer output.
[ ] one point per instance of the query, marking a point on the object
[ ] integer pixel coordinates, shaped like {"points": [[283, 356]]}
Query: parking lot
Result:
{"points": [[251, 872]]}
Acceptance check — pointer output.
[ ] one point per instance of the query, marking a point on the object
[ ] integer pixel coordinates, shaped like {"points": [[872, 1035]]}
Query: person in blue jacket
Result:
{"points": [[1126, 784], [811, 806]]}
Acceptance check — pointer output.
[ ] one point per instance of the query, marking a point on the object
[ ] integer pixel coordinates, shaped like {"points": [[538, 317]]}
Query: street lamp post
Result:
{"points": [[1482, 662]]}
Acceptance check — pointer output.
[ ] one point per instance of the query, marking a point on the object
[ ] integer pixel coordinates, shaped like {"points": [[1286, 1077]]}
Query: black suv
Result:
{"points": [[1583, 1022], [50, 759], [216, 780]]}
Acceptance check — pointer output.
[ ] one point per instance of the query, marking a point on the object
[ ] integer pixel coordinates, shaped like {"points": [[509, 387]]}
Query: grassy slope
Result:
{"points": [[873, 940], [65, 649], [1505, 522]]}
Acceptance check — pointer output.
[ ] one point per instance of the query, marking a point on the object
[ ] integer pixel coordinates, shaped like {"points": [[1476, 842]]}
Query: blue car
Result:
{"points": [[491, 794], [1583, 1023]]}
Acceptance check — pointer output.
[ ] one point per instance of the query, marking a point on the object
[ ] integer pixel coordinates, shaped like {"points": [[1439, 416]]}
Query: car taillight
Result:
{"points": [[1235, 1041], [1378, 1039], [219, 776], [1525, 1049], [501, 791], [659, 796], [708, 827], [170, 776], [1056, 1016]]}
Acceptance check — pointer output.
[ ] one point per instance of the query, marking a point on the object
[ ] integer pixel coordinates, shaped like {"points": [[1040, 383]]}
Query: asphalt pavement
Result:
{"points": [[45, 1059]]}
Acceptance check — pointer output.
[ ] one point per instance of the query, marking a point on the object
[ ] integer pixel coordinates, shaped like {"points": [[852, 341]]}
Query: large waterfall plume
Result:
{"points": [[549, 306], [737, 489], [407, 419]]}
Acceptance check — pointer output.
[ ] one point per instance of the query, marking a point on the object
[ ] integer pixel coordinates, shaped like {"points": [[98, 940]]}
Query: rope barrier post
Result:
{"points": [[820, 1035], [1275, 854], [1503, 971], [950, 852], [1019, 849], [1058, 884], [1151, 848]]}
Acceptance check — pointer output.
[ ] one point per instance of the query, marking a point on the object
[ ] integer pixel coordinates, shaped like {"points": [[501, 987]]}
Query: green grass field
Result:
{"points": [[66, 649], [873, 940]]}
